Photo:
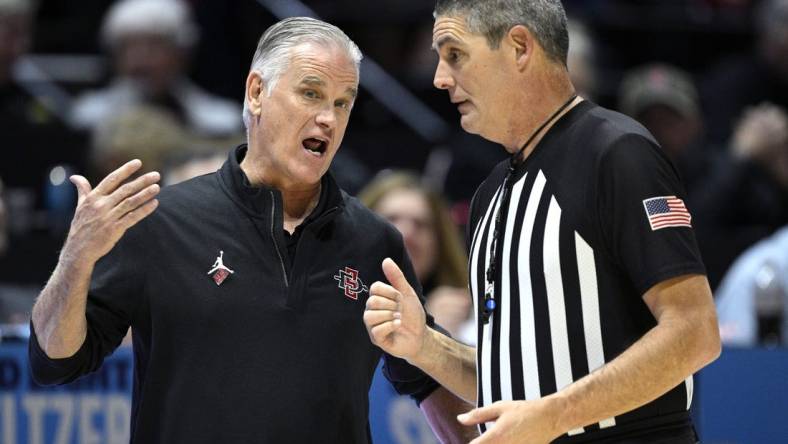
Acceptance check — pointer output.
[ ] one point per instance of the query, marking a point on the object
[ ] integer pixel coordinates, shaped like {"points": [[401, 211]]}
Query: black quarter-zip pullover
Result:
{"points": [[277, 352]]}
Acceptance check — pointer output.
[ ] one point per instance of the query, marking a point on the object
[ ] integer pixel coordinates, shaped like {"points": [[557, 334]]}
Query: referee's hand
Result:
{"points": [[104, 213], [394, 316]]}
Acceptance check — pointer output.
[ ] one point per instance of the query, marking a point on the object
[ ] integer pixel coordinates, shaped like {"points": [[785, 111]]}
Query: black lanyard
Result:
{"points": [[514, 162]]}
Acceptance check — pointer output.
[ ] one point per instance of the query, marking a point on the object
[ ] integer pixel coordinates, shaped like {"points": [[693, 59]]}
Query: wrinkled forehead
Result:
{"points": [[327, 61], [450, 29]]}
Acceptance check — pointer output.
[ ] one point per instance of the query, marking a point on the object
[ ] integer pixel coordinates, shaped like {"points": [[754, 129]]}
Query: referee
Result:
{"points": [[593, 309]]}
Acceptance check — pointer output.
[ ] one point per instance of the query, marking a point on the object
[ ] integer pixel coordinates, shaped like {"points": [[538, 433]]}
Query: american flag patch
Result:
{"points": [[667, 211]]}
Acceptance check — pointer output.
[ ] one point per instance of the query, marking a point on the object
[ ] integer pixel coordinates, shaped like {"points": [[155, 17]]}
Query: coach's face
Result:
{"points": [[296, 130], [476, 77]]}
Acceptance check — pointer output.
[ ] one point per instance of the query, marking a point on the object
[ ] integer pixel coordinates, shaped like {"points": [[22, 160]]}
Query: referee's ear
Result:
{"points": [[521, 42]]}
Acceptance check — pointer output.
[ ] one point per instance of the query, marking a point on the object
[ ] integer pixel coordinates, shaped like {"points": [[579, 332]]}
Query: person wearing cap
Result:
{"points": [[749, 78], [149, 41], [32, 119], [754, 174], [664, 99]]}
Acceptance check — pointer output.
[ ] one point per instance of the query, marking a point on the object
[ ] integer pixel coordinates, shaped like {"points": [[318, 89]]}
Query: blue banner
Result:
{"points": [[96, 409], [741, 398], [395, 419], [92, 410]]}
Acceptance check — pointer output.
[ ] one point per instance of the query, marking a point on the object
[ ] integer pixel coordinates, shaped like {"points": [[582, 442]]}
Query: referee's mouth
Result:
{"points": [[463, 106]]}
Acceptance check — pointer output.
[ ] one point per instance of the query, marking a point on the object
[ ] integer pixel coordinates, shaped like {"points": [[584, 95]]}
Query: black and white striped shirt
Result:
{"points": [[575, 255]]}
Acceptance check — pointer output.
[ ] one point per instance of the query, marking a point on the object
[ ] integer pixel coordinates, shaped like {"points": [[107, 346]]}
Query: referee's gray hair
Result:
{"points": [[272, 57], [546, 19]]}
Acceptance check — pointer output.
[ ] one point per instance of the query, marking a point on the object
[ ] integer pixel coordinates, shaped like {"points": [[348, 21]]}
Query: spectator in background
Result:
{"points": [[664, 99], [196, 163], [143, 132], [581, 59], [35, 143], [15, 300], [3, 223], [752, 300], [745, 197], [149, 41], [748, 80], [153, 135], [29, 120], [433, 243]]}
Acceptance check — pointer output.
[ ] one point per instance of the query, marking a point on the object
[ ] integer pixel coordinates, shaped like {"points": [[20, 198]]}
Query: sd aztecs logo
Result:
{"points": [[350, 282]]}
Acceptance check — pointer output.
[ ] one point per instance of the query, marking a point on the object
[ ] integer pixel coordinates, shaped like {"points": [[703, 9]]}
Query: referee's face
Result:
{"points": [[298, 127], [475, 76]]}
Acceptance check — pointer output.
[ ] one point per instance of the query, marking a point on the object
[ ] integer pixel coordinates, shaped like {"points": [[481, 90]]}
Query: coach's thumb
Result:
{"points": [[395, 276], [82, 184]]}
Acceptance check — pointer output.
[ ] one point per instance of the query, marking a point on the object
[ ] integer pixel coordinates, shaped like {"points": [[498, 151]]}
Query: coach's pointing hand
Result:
{"points": [[103, 214], [394, 316]]}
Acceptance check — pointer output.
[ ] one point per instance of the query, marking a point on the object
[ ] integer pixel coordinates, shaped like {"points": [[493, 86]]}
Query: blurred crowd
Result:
{"points": [[85, 86]]}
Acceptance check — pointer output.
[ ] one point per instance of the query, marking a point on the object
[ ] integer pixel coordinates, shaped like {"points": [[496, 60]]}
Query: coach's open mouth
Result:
{"points": [[315, 146]]}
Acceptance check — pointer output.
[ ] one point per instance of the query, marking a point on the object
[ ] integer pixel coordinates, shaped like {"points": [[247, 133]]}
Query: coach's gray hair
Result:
{"points": [[272, 57], [546, 19]]}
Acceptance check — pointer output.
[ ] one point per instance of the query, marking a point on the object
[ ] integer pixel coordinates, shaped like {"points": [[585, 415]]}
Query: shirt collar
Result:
{"points": [[259, 199]]}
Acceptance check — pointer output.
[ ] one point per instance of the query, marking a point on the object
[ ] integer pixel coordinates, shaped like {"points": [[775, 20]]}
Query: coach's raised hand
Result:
{"points": [[103, 214], [394, 316], [101, 218]]}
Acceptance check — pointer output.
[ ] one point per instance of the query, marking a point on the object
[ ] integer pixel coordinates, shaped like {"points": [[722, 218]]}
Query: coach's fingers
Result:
{"points": [[115, 178], [385, 290], [381, 303], [132, 217], [134, 202], [377, 317], [121, 195], [379, 333]]}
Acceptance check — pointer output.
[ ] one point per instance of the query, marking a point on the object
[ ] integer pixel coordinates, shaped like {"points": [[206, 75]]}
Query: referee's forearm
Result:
{"points": [[653, 365], [450, 363]]}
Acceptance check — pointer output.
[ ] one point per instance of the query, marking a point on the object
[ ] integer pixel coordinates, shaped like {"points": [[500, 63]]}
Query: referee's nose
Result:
{"points": [[443, 78]]}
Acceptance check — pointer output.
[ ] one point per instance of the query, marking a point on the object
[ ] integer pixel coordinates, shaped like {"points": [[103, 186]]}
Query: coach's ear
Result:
{"points": [[254, 92]]}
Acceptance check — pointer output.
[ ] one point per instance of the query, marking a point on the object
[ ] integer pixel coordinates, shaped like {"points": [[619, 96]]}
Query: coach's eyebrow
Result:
{"points": [[313, 81], [353, 92]]}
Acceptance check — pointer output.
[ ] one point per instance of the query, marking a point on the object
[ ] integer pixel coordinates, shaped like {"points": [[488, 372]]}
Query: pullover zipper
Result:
{"points": [[273, 238]]}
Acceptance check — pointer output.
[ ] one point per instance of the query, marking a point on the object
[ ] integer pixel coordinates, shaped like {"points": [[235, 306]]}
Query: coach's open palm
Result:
{"points": [[394, 316], [103, 214]]}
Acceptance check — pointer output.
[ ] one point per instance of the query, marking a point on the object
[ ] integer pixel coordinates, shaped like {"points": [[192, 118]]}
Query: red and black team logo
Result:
{"points": [[350, 282]]}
